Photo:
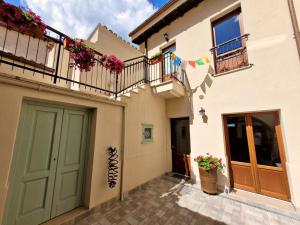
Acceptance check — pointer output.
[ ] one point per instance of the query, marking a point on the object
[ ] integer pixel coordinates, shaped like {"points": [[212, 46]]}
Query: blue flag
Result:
{"points": [[177, 61]]}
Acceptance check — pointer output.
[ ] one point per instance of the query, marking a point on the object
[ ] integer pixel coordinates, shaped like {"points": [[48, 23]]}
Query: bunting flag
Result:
{"points": [[202, 61], [173, 56], [192, 63], [177, 61]]}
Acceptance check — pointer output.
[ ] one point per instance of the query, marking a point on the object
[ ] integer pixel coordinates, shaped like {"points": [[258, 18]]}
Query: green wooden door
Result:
{"points": [[70, 168], [34, 168], [48, 164]]}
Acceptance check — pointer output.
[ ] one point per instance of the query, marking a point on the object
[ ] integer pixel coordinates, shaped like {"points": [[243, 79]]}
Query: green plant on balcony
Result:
{"points": [[156, 58], [25, 21]]}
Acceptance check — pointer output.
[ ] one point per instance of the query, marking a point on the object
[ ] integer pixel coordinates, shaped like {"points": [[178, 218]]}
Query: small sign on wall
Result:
{"points": [[147, 133]]}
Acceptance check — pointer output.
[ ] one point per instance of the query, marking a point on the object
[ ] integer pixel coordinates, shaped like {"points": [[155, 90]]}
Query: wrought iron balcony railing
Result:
{"points": [[46, 60], [231, 54]]}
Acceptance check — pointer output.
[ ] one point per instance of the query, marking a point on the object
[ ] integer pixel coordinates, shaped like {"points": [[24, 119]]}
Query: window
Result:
{"points": [[168, 66], [147, 133], [229, 43]]}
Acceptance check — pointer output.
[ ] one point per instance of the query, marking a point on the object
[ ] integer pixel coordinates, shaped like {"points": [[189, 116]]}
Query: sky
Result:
{"points": [[76, 19]]}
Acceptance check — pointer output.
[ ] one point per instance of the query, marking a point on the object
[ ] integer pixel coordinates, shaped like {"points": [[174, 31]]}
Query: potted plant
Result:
{"points": [[156, 58], [84, 57], [208, 167], [68, 42]]}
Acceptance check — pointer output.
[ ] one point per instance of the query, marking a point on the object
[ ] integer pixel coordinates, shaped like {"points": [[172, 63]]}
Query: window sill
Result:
{"points": [[233, 71]]}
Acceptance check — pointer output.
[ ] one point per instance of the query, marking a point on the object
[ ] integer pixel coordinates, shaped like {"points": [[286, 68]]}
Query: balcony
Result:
{"points": [[46, 60], [231, 55], [166, 78]]}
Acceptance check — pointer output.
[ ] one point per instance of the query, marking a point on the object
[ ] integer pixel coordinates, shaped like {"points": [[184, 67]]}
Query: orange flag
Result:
{"points": [[192, 63]]}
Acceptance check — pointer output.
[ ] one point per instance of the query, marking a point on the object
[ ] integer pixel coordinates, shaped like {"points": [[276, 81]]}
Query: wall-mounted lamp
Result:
{"points": [[166, 36], [202, 112]]}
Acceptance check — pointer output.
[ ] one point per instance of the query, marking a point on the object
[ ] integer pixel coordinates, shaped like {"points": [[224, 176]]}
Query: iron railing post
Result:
{"points": [[146, 75], [57, 61], [117, 81]]}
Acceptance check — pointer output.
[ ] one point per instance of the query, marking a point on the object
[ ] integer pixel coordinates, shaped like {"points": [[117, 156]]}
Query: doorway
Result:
{"points": [[256, 154], [180, 145], [47, 172]]}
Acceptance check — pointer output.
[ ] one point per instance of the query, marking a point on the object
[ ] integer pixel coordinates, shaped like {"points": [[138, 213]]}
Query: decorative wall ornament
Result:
{"points": [[147, 133], [113, 169]]}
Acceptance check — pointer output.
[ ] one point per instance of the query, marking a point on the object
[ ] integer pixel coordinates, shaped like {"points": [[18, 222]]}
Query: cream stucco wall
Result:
{"points": [[106, 42], [105, 132], [272, 83], [142, 162]]}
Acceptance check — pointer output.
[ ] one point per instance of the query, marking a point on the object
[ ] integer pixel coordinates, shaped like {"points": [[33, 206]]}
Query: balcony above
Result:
{"points": [[169, 89]]}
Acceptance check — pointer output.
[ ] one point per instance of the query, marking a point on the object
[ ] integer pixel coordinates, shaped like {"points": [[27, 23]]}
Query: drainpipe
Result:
{"points": [[122, 154], [294, 24]]}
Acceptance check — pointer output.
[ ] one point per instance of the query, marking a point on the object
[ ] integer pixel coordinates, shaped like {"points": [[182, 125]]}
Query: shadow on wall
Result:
{"points": [[206, 83]]}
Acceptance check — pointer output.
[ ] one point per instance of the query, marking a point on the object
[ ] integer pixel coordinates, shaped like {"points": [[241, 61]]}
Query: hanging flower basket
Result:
{"points": [[112, 63], [208, 167], [24, 21], [83, 56]]}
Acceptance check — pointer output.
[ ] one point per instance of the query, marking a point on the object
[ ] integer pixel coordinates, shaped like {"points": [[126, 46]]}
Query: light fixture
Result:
{"points": [[166, 36], [202, 112]]}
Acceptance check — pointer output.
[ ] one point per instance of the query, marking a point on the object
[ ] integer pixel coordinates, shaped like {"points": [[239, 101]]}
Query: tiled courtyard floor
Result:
{"points": [[162, 201]]}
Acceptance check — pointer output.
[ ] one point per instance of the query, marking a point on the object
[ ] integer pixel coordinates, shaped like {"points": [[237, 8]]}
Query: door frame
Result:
{"points": [[16, 154], [187, 162], [252, 152]]}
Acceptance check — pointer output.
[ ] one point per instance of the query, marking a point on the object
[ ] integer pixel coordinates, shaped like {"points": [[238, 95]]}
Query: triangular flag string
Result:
{"points": [[202, 61]]}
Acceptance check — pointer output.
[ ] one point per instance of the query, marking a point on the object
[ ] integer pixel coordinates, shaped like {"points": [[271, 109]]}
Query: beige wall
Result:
{"points": [[106, 132], [272, 83], [142, 161], [145, 161], [106, 42]]}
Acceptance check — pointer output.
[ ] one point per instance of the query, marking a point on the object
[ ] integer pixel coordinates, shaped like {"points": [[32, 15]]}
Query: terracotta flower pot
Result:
{"points": [[156, 59], [208, 180], [67, 42]]}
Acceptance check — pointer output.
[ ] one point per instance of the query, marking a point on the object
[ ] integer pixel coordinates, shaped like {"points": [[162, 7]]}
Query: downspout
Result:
{"points": [[294, 24], [122, 154]]}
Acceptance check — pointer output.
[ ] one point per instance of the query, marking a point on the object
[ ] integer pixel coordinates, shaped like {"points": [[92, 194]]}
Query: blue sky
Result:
{"points": [[156, 3], [78, 20], [15, 2]]}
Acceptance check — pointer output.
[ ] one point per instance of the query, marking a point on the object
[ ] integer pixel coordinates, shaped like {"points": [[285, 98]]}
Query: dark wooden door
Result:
{"points": [[256, 154], [180, 144]]}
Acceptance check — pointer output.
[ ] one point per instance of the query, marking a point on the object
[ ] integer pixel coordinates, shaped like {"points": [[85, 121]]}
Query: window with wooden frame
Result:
{"points": [[229, 42]]}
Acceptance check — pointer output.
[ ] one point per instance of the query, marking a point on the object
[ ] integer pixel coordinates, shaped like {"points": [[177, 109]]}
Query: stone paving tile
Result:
{"points": [[163, 202]]}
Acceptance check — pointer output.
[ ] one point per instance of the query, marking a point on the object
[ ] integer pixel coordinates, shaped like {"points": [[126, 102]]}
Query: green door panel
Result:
{"points": [[70, 168], [33, 171]]}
